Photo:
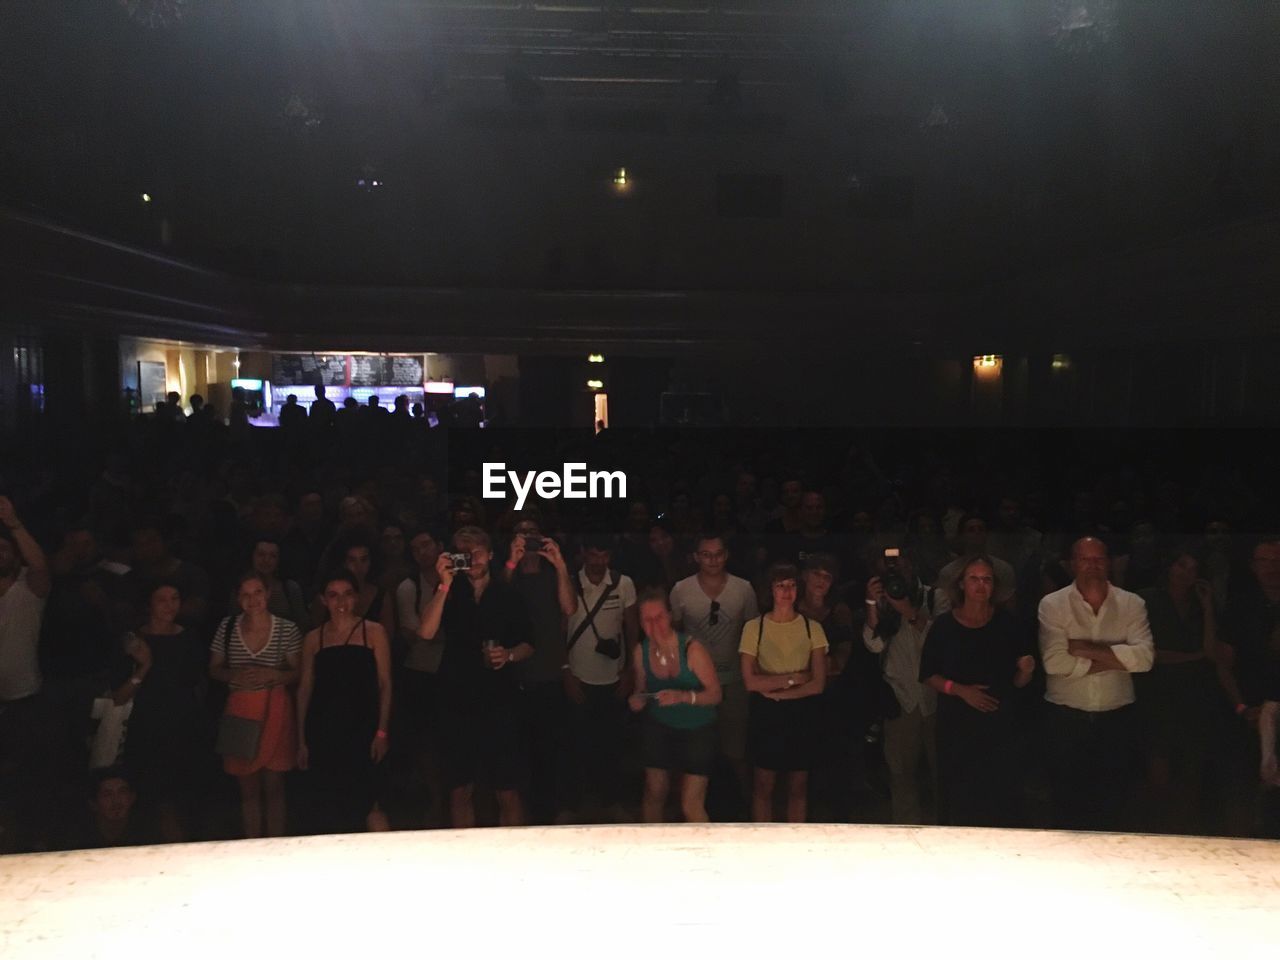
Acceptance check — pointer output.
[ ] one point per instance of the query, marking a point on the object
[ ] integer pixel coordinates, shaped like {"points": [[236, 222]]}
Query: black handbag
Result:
{"points": [[237, 736]]}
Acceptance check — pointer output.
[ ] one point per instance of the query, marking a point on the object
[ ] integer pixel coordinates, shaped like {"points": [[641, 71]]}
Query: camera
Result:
{"points": [[459, 561], [895, 585], [609, 647], [533, 544]]}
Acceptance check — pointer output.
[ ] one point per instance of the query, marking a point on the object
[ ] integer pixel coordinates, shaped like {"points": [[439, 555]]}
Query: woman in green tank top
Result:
{"points": [[677, 687]]}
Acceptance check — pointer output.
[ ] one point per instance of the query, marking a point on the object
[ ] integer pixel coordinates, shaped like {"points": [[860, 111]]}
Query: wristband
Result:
{"points": [[443, 587], [693, 698], [381, 734], [511, 564], [564, 666], [135, 680], [1241, 708], [948, 687], [870, 603]]}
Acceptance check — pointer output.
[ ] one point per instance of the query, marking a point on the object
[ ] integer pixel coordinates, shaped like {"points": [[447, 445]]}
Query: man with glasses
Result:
{"points": [[712, 605]]}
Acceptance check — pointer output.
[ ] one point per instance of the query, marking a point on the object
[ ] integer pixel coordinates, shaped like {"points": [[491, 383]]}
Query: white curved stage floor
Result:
{"points": [[669, 891]]}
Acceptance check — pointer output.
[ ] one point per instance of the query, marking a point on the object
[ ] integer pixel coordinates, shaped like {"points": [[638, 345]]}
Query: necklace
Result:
{"points": [[663, 659]]}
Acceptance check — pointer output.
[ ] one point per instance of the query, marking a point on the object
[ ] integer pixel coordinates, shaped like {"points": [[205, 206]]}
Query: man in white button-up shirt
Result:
{"points": [[1093, 636]]}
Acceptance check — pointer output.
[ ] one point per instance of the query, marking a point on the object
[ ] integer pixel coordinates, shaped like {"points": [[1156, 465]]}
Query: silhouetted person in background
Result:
{"points": [[292, 417], [322, 408]]}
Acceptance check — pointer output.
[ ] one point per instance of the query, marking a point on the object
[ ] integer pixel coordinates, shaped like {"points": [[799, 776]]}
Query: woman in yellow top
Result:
{"points": [[784, 668]]}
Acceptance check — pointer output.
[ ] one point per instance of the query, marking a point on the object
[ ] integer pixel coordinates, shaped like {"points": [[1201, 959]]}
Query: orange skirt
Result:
{"points": [[278, 745]]}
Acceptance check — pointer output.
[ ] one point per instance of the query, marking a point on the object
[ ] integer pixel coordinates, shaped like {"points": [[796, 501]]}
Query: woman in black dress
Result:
{"points": [[344, 705], [168, 750], [977, 657]]}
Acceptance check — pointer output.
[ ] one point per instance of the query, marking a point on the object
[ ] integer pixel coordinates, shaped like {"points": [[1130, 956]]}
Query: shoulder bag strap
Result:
{"points": [[591, 615]]}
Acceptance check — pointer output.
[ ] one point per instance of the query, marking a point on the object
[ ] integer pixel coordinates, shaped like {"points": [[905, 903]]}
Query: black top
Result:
{"points": [[1252, 626], [499, 616], [982, 655], [167, 728], [541, 595]]}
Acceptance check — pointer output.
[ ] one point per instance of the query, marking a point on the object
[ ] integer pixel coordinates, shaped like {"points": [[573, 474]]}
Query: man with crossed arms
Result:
{"points": [[1093, 636]]}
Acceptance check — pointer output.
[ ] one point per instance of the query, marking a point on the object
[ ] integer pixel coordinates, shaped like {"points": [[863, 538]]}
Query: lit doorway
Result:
{"points": [[602, 411]]}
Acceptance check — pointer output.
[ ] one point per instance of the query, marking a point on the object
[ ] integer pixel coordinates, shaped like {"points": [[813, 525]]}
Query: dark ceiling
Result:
{"points": [[772, 146]]}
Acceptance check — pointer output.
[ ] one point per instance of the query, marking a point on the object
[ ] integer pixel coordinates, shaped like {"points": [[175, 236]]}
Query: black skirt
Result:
{"points": [[783, 735]]}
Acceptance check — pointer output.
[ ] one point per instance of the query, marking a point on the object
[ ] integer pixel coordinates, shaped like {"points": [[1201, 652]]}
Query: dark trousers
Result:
{"points": [[596, 729], [547, 757], [1091, 766]]}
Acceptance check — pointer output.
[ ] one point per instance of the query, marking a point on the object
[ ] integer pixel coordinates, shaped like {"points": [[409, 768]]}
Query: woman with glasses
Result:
{"points": [[784, 669], [977, 657], [676, 687]]}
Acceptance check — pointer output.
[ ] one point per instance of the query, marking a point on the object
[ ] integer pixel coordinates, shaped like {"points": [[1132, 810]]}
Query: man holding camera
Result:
{"points": [[899, 609], [603, 631], [482, 715], [1093, 636], [536, 571]]}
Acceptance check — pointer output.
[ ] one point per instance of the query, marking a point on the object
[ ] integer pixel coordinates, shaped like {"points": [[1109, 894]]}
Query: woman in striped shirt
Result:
{"points": [[257, 654]]}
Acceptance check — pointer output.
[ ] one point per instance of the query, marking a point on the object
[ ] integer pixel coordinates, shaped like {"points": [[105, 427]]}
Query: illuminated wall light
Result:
{"points": [[987, 366], [1061, 361], [595, 358], [595, 384], [620, 177], [146, 198]]}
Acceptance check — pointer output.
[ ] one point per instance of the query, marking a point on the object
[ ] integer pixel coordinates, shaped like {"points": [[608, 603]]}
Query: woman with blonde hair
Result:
{"points": [[977, 657], [676, 685]]}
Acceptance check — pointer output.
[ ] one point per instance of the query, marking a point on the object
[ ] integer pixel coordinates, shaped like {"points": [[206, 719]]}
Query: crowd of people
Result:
{"points": [[212, 631]]}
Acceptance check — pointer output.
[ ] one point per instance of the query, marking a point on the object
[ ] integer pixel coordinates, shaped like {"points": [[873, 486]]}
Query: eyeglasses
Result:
{"points": [[715, 613]]}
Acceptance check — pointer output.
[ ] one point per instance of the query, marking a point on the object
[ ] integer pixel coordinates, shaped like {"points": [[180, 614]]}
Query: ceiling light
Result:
{"points": [[146, 198], [595, 384], [620, 176], [595, 358]]}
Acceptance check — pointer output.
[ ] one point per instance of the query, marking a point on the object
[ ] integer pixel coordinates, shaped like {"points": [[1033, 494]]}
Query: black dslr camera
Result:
{"points": [[894, 583]]}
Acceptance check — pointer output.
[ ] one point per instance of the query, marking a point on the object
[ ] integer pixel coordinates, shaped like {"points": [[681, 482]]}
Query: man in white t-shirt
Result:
{"points": [[602, 632], [712, 606]]}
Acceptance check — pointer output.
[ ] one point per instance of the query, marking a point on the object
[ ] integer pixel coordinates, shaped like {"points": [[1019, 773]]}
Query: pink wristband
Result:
{"points": [[511, 564], [948, 687], [1241, 708], [381, 734]]}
